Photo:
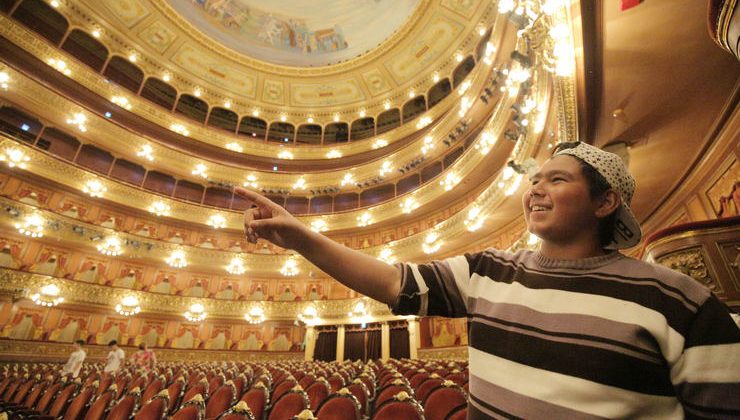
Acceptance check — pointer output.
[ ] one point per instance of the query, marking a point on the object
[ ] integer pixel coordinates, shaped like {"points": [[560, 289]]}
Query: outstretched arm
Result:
{"points": [[358, 271]]}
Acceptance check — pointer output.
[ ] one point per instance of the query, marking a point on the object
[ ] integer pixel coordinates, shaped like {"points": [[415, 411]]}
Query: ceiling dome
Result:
{"points": [[300, 34]]}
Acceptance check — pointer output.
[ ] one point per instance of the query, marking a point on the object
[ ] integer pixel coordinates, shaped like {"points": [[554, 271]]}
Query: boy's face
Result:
{"points": [[557, 206]]}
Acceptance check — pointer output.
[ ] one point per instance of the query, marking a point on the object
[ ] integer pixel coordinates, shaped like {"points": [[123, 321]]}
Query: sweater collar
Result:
{"points": [[582, 263]]}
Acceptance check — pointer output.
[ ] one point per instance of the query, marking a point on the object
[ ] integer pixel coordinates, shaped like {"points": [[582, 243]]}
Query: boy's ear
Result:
{"points": [[608, 204]]}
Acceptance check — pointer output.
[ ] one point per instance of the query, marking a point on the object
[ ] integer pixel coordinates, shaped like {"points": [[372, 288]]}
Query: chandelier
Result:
{"points": [[94, 188], [431, 243], [290, 268], [236, 266], [309, 314], [358, 311], [15, 157], [177, 259], [48, 295], [111, 246], [255, 315], [129, 306], [196, 313], [32, 226]]}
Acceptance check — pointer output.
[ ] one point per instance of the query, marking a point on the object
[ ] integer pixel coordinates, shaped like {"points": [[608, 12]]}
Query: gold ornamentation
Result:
{"points": [[691, 262]]}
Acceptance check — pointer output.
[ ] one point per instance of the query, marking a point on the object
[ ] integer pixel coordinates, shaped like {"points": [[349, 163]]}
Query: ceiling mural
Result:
{"points": [[300, 34]]}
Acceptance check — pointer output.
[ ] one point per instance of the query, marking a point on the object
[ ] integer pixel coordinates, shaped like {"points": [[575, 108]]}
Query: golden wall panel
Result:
{"points": [[130, 12], [205, 65], [339, 92]]}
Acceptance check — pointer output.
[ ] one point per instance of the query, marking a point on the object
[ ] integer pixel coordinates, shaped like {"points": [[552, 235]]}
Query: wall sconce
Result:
{"points": [[129, 306], [196, 313], [256, 315], [49, 295]]}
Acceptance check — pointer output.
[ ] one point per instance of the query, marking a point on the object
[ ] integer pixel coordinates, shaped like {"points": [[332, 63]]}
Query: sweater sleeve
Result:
{"points": [[707, 374]]}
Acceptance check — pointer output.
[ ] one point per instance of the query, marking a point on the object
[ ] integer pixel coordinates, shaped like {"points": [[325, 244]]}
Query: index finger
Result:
{"points": [[255, 197]]}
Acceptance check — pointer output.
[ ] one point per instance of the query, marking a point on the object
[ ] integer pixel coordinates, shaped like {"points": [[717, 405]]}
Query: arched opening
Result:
{"points": [[439, 91], [281, 132], [362, 129], [223, 119], [192, 107], [309, 134], [38, 16], [413, 108], [159, 92], [462, 70], [389, 120], [336, 133], [253, 127], [124, 73], [86, 48]]}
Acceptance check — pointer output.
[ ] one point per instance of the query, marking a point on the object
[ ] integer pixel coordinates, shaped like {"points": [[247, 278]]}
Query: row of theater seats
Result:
{"points": [[395, 389]]}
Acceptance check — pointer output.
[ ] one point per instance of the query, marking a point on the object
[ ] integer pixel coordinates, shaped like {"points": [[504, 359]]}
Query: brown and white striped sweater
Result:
{"points": [[608, 336]]}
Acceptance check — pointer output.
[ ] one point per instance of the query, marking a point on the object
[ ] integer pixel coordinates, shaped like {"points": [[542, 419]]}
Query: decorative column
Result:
{"points": [[340, 343], [310, 342], [414, 340], [385, 341]]}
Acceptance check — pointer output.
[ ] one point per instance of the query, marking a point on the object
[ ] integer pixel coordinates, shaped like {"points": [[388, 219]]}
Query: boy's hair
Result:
{"points": [[597, 186], [80, 342], [113, 343]]}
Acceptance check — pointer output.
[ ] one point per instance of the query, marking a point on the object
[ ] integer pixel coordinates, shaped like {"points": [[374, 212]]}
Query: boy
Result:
{"points": [[573, 330], [74, 364], [116, 357]]}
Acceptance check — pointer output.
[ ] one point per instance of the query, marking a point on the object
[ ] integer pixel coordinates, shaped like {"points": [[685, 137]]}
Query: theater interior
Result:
{"points": [[405, 129]]}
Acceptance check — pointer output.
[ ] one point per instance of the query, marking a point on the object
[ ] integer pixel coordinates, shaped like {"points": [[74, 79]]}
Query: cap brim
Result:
{"points": [[627, 231]]}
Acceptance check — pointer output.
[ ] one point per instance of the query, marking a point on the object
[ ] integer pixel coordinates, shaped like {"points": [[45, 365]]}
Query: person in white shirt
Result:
{"points": [[74, 364], [116, 357]]}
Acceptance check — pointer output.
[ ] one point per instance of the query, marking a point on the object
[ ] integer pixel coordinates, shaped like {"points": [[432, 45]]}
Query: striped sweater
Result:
{"points": [[608, 336]]}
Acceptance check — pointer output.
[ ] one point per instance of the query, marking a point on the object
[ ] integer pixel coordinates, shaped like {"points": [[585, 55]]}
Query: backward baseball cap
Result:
{"points": [[627, 231]]}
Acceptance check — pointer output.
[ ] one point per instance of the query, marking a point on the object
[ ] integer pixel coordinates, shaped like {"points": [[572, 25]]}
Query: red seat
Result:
{"points": [[391, 390], [35, 394], [290, 404], [48, 397], [306, 381], [257, 399], [360, 391], [105, 382], [99, 408], [340, 406], [336, 381], [460, 413], [318, 392], [221, 400], [156, 408], [425, 387], [240, 411], [126, 406], [23, 391], [200, 388], [191, 410], [59, 406], [152, 389], [444, 399], [400, 407], [175, 393]]}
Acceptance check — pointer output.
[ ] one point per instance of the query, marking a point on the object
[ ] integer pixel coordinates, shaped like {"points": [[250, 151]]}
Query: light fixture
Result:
{"points": [[256, 315], [386, 255], [458, 57], [111, 246], [333, 154], [283, 118], [532, 239], [474, 220], [336, 117], [227, 104], [236, 266], [54, 3], [251, 182], [256, 113], [450, 181], [428, 145], [197, 92], [200, 170], [60, 66], [132, 57], [179, 129], [464, 87], [96, 33], [33, 226], [146, 152], [423, 122], [506, 6], [290, 268], [15, 157], [408, 205], [435, 77], [235, 147], [385, 168], [300, 184], [431, 243], [129, 306], [309, 315], [365, 219], [514, 186], [79, 119], [485, 143], [387, 105], [412, 94], [310, 120], [285, 155], [197, 313], [319, 225], [4, 79], [121, 101], [217, 221], [362, 113], [49, 295], [94, 188], [166, 76], [377, 144], [348, 179], [177, 259], [159, 208], [465, 104], [359, 311]]}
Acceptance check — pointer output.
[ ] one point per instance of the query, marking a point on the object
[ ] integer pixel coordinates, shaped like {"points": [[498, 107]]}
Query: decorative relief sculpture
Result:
{"points": [[691, 262]]}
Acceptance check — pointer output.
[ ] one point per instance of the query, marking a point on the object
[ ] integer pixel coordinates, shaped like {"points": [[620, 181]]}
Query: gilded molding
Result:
{"points": [[691, 261], [454, 353]]}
